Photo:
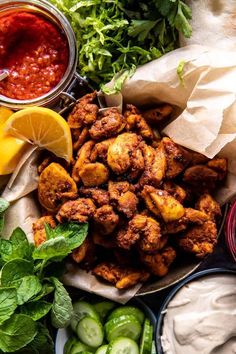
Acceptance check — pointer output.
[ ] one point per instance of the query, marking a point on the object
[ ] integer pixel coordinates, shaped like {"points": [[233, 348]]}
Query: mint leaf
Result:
{"points": [[42, 343], [46, 289], [62, 309], [36, 310], [28, 287], [53, 249], [17, 332], [8, 303], [4, 205], [13, 271], [16, 247]]}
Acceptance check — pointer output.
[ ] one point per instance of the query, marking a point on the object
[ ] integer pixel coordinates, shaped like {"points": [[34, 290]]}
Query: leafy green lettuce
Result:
{"points": [[119, 35]]}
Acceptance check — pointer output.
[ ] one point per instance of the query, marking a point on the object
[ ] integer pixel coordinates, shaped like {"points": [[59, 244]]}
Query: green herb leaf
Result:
{"points": [[53, 249], [28, 287], [181, 21], [13, 271], [141, 28], [62, 308], [46, 290], [36, 310], [17, 332], [4, 205], [8, 303], [118, 82], [17, 247]]}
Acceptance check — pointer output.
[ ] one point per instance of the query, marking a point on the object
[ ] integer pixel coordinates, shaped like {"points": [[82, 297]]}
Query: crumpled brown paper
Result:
{"points": [[205, 121]]}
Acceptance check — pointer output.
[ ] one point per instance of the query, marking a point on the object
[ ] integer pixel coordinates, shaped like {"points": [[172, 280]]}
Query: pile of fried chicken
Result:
{"points": [[146, 199]]}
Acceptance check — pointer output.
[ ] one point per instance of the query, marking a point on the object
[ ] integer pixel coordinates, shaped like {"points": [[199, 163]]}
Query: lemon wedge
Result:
{"points": [[11, 149], [42, 127]]}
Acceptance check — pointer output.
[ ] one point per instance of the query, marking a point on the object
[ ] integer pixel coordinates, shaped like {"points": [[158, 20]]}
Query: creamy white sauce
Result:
{"points": [[201, 318]]}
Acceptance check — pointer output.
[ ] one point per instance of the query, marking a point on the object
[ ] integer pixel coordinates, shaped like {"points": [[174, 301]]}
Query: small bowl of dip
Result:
{"points": [[199, 315], [37, 51]]}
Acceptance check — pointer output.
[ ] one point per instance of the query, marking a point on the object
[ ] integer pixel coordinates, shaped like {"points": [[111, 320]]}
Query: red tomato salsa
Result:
{"points": [[34, 51]]}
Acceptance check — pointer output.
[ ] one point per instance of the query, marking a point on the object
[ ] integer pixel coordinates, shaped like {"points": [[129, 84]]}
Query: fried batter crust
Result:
{"points": [[159, 263], [84, 112], [39, 229], [209, 206], [80, 210], [106, 219]]}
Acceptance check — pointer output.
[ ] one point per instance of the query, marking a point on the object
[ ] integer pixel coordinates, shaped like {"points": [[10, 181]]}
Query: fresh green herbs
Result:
{"points": [[180, 71], [119, 35], [29, 290]]}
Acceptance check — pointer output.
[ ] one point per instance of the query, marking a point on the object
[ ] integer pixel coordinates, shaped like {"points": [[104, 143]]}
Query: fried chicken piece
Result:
{"points": [[220, 166], [55, 186], [83, 159], [155, 165], [39, 229], [101, 148], [80, 136], [135, 122], [123, 198], [177, 158], [45, 163], [201, 175], [121, 277], [94, 174], [80, 210], [176, 191], [99, 196], [122, 152], [209, 206], [103, 241], [144, 229], [158, 114], [191, 216], [147, 190], [159, 263], [110, 123], [79, 254], [168, 207], [197, 158], [200, 239], [106, 219], [85, 112]]}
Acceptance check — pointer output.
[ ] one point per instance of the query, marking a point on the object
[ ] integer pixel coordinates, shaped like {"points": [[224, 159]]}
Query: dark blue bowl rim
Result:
{"points": [[169, 297]]}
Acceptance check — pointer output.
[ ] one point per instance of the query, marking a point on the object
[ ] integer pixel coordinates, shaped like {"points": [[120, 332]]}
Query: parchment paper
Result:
{"points": [[205, 121]]}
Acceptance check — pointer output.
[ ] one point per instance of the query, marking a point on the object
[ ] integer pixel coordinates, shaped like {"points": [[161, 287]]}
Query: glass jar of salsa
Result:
{"points": [[37, 51]]}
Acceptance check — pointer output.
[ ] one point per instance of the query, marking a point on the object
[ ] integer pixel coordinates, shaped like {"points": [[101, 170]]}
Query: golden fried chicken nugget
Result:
{"points": [[80, 136], [79, 254], [199, 240], [147, 190], [94, 174], [197, 158], [39, 229], [136, 122], [101, 148], [220, 166], [83, 159], [201, 175], [121, 277], [103, 241], [80, 210], [175, 190], [99, 196], [158, 114], [209, 205], [123, 198], [159, 263], [177, 158], [110, 123], [85, 112], [106, 219], [121, 152], [55, 186]]}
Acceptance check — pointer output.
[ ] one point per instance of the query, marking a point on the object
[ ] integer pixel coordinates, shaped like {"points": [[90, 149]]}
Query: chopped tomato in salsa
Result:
{"points": [[35, 52]]}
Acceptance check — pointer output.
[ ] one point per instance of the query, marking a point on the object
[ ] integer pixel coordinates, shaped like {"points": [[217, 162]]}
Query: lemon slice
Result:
{"points": [[11, 149], [42, 127]]}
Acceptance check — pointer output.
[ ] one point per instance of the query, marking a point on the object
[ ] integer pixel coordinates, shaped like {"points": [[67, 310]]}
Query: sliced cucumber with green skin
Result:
{"points": [[79, 347], [123, 326], [102, 349], [123, 345], [90, 331], [69, 344], [127, 310], [103, 308], [80, 310], [146, 339], [153, 348]]}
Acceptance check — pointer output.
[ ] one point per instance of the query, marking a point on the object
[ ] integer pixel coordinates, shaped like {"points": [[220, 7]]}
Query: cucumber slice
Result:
{"points": [[123, 345], [153, 348], [123, 326], [103, 308], [127, 310], [146, 340], [90, 332], [102, 349], [80, 310], [79, 347], [69, 344]]}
